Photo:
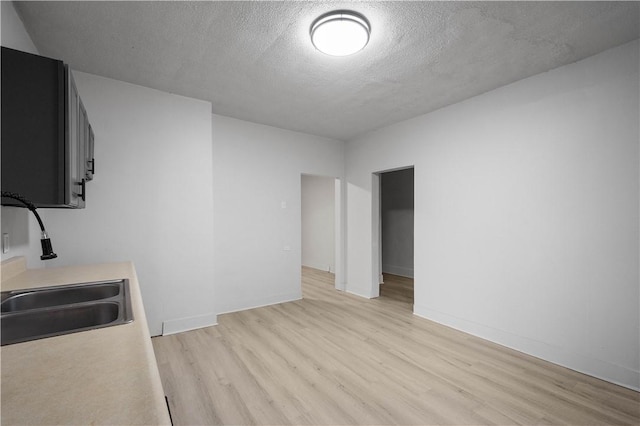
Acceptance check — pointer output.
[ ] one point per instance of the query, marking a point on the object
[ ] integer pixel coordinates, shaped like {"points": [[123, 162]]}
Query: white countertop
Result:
{"points": [[102, 376]]}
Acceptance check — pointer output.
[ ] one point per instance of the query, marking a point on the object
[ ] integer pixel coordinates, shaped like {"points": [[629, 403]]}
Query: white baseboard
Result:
{"points": [[398, 270], [261, 303], [186, 324], [562, 356], [325, 267], [355, 293]]}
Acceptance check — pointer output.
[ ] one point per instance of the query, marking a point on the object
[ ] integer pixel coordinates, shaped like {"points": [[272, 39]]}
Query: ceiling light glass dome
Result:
{"points": [[340, 33]]}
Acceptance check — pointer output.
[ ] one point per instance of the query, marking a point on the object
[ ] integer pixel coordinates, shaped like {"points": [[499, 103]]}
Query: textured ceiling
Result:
{"points": [[254, 60]]}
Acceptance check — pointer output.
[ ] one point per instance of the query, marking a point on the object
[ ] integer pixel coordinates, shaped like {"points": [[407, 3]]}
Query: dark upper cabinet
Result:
{"points": [[47, 141]]}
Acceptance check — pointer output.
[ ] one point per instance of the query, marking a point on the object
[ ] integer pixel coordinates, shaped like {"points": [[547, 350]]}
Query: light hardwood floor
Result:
{"points": [[397, 289], [334, 358]]}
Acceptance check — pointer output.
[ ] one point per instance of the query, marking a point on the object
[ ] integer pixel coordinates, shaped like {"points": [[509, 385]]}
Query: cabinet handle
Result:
{"points": [[93, 166], [84, 187]]}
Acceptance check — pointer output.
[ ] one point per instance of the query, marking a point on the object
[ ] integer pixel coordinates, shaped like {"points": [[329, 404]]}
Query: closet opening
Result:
{"points": [[396, 236]]}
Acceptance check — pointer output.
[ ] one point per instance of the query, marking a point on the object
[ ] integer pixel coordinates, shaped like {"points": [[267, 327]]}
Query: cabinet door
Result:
{"points": [[33, 110], [75, 147], [88, 146], [83, 129]]}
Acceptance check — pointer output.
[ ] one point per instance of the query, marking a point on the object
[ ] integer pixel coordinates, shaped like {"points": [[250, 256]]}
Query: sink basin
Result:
{"points": [[52, 311], [24, 326], [43, 298]]}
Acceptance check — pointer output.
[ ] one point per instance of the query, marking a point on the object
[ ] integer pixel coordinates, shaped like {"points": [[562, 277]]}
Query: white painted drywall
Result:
{"points": [[318, 222], [13, 33], [150, 201], [257, 208], [396, 215], [526, 214], [19, 223]]}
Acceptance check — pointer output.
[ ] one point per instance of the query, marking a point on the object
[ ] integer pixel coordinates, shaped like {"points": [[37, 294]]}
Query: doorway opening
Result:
{"points": [[322, 223], [396, 235]]}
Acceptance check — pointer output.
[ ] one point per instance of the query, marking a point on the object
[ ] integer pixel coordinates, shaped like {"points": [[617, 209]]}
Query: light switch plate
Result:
{"points": [[5, 243]]}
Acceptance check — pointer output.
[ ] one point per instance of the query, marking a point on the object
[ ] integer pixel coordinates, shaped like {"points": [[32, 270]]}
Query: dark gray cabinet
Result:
{"points": [[47, 140]]}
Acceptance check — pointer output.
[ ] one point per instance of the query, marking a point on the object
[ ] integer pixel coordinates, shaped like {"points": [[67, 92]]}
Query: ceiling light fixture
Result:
{"points": [[340, 33]]}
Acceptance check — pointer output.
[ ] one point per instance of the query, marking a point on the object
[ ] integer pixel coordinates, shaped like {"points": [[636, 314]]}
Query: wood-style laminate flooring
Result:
{"points": [[397, 289], [336, 359]]}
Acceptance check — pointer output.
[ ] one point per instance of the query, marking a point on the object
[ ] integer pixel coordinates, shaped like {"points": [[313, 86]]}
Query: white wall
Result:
{"points": [[396, 215], [150, 201], [19, 223], [256, 169], [13, 33], [318, 222], [526, 214]]}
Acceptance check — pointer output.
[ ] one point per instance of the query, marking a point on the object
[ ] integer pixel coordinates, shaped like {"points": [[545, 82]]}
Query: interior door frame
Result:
{"points": [[340, 222], [376, 227]]}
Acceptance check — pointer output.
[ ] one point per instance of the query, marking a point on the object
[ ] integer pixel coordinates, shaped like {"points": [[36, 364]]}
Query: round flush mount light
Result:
{"points": [[340, 33]]}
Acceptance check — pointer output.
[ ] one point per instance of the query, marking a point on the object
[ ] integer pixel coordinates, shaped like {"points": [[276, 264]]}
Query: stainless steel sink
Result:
{"points": [[43, 298], [52, 311]]}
